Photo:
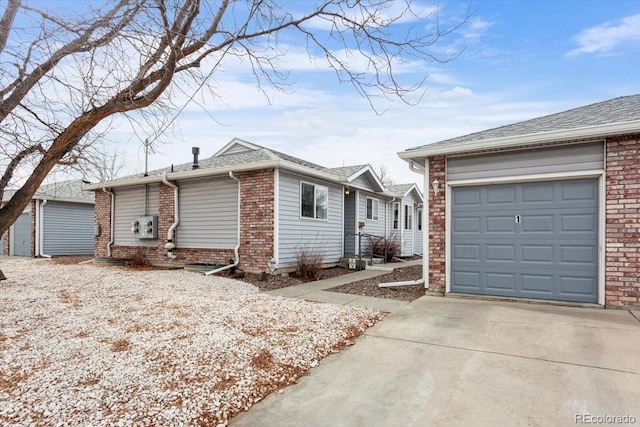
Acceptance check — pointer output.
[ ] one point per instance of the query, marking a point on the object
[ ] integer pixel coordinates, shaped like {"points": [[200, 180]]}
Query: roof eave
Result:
{"points": [[420, 153], [204, 172]]}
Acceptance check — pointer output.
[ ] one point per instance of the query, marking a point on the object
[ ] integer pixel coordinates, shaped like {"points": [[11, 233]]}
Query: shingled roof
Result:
{"points": [[621, 115], [65, 190]]}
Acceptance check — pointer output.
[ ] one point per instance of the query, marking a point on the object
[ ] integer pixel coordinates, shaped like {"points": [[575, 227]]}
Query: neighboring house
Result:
{"points": [[246, 203], [546, 208], [58, 221], [405, 216], [365, 208]]}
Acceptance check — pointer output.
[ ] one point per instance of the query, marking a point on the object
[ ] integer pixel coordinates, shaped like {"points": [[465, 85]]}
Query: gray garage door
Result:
{"points": [[530, 240], [22, 235]]}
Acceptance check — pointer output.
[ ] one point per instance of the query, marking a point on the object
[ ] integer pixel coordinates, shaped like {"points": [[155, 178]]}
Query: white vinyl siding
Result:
{"points": [[298, 234], [67, 228], [566, 158], [373, 209], [208, 213], [130, 204], [362, 182]]}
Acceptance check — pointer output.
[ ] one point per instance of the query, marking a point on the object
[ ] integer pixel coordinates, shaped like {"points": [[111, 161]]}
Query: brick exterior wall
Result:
{"points": [[622, 272], [437, 225], [257, 215], [103, 219], [256, 228]]}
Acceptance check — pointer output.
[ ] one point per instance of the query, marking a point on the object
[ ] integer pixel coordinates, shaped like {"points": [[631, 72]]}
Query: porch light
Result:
{"points": [[436, 186], [346, 190]]}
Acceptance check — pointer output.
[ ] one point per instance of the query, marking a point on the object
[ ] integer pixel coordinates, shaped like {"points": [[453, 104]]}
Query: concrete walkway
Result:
{"points": [[457, 362], [318, 290]]}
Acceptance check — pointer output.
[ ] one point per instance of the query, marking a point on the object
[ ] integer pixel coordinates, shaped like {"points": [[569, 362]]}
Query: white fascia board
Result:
{"points": [[204, 172], [521, 140], [65, 199], [414, 188], [369, 169], [175, 176]]}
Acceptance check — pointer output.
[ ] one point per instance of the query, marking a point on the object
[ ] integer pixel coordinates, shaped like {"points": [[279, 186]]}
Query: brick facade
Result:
{"points": [[256, 228], [437, 225], [622, 273], [257, 216]]}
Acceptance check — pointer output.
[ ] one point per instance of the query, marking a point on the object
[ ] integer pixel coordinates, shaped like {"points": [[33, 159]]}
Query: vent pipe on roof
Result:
{"points": [[195, 151]]}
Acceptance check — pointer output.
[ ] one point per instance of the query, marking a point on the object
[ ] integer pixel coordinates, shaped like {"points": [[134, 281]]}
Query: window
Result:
{"points": [[313, 201], [372, 208], [396, 216], [408, 217], [419, 219]]}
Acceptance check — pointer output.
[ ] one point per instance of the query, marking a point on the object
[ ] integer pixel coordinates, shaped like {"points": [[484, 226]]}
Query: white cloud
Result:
{"points": [[606, 37]]}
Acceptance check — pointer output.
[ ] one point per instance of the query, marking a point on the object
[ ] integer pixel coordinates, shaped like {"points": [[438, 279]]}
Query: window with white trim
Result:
{"points": [[408, 217], [396, 216], [314, 201], [419, 219], [373, 206]]}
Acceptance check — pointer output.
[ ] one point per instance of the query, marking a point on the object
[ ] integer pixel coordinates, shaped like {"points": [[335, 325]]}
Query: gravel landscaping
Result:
{"points": [[87, 345], [369, 287]]}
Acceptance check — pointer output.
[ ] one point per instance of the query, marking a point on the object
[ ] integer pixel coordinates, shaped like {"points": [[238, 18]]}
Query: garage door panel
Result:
{"points": [[501, 195], [467, 225], [551, 253], [496, 252], [468, 280], [500, 281], [579, 222], [539, 254], [467, 197], [537, 223], [577, 286], [541, 284], [466, 252], [578, 254]]}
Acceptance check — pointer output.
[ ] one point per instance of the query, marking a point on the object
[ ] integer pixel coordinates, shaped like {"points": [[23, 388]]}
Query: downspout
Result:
{"points": [[425, 256], [237, 248], [111, 221], [40, 224], [170, 245]]}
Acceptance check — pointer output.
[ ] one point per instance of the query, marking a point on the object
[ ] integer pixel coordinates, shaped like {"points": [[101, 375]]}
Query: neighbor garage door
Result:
{"points": [[529, 240]]}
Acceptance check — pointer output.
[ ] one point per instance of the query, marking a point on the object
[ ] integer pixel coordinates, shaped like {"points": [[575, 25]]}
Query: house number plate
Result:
{"points": [[517, 219]]}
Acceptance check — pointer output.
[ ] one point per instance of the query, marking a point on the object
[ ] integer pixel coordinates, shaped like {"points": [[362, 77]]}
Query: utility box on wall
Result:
{"points": [[145, 227]]}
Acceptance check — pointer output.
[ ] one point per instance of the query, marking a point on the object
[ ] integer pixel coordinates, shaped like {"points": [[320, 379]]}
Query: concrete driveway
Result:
{"points": [[460, 362]]}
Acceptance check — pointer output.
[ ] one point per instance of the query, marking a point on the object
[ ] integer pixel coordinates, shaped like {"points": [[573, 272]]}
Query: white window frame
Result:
{"points": [[419, 218], [316, 187], [408, 217], [395, 216], [375, 213]]}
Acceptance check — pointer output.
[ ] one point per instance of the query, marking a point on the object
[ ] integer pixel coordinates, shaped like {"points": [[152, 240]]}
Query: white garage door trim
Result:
{"points": [[600, 174]]}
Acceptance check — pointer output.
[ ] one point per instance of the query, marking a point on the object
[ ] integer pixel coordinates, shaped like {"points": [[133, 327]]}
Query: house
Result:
{"points": [[406, 218], [246, 205], [58, 221], [545, 209]]}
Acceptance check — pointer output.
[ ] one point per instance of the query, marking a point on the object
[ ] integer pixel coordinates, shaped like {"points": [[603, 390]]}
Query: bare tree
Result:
{"points": [[385, 177], [64, 74]]}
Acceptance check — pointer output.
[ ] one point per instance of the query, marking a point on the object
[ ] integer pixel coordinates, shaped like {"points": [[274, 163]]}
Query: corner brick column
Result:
{"points": [[103, 219], [622, 271], [256, 218], [437, 221], [166, 217]]}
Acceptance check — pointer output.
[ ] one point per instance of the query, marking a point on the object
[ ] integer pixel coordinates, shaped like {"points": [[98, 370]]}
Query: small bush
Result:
{"points": [[139, 258], [393, 247], [308, 264]]}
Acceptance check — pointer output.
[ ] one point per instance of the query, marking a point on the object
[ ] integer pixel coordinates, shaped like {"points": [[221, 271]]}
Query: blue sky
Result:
{"points": [[521, 59]]}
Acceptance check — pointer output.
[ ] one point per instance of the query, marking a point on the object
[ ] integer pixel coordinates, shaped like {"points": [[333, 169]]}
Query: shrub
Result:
{"points": [[308, 264], [393, 247]]}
